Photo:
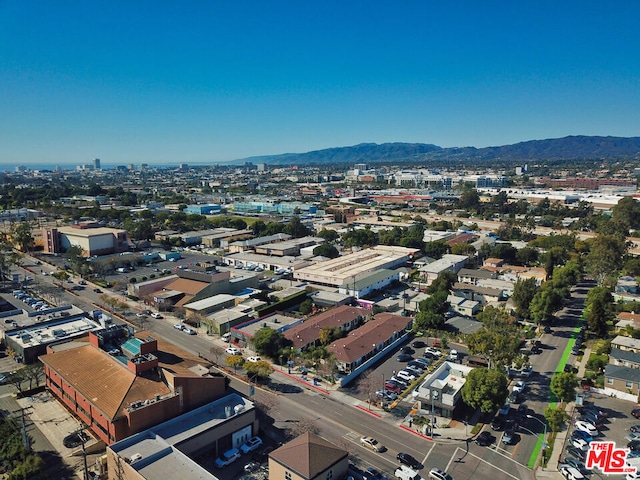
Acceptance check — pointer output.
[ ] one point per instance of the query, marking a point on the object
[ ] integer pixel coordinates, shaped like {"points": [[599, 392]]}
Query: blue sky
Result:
{"points": [[211, 81]]}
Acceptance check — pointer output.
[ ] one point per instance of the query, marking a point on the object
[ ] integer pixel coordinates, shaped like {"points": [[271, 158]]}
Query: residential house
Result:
{"points": [[442, 388]]}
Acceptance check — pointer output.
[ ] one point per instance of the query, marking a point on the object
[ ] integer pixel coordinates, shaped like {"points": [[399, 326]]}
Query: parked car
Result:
{"points": [[580, 443], [189, 331], [582, 434], [519, 386], [634, 428], [406, 375], [392, 387], [484, 439], [571, 473], [227, 458], [254, 359], [156, 315], [587, 427], [178, 326], [577, 453], [418, 344], [572, 462], [252, 444], [504, 410], [423, 361], [75, 439], [632, 436], [634, 445], [409, 460], [497, 424], [251, 467], [232, 351], [404, 357], [432, 351], [508, 437], [437, 474], [372, 444], [97, 290], [635, 413]]}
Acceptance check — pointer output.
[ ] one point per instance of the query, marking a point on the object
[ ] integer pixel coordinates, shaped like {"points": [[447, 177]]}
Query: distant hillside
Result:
{"points": [[567, 148]]}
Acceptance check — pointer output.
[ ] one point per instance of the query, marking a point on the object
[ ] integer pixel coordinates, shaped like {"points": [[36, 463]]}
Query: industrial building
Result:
{"points": [[93, 240]]}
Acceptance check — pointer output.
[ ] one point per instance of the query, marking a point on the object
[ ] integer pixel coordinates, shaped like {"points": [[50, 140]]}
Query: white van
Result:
{"points": [[406, 473], [226, 337]]}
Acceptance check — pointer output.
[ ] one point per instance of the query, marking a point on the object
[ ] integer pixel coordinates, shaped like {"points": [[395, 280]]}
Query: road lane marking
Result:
{"points": [[481, 460]]}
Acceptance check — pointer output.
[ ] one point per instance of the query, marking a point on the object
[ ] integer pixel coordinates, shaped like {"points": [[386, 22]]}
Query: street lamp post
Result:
{"points": [[433, 394], [544, 438]]}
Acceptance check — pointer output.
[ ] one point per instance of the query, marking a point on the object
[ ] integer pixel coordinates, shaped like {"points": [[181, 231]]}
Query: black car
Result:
{"points": [[508, 437], [407, 349], [497, 424], [423, 361], [408, 460], [75, 439], [577, 453], [547, 329], [485, 439], [418, 344], [404, 357], [635, 413], [634, 445], [536, 350], [415, 364], [568, 368], [372, 474], [523, 409]]}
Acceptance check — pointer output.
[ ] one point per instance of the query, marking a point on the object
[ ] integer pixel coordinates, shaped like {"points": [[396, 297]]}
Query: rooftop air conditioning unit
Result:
{"points": [[135, 457]]}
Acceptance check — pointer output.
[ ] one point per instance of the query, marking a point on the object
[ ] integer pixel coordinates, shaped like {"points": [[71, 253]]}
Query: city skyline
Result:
{"points": [[214, 82]]}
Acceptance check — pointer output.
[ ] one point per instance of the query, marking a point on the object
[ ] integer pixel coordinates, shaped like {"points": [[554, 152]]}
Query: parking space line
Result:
{"points": [[424, 460]]}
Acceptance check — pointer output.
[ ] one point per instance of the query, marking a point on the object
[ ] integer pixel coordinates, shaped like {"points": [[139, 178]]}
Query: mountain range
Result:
{"points": [[574, 148]]}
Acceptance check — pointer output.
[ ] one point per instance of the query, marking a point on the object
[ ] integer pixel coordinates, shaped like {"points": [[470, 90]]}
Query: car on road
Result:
{"points": [[189, 331], [437, 474], [485, 439], [254, 359], [252, 444], [97, 290], [409, 461], [232, 351], [156, 315], [404, 357], [372, 444], [227, 458]]}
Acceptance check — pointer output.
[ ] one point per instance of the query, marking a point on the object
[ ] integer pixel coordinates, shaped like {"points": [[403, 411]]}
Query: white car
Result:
{"points": [[580, 443], [587, 427], [433, 351], [519, 386], [372, 444], [571, 473], [252, 444], [406, 375], [227, 458], [632, 476], [178, 326], [189, 331], [156, 315], [437, 474], [232, 351], [254, 359]]}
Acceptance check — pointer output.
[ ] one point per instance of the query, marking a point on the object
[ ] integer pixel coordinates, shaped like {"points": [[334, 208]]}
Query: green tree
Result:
{"points": [[605, 257], [485, 389], [546, 302], [296, 229], [75, 256], [22, 236], [436, 249], [523, 293], [261, 369], [329, 235], [326, 250], [329, 334], [8, 256], [599, 310], [268, 342], [556, 418], [444, 283], [235, 361], [431, 311], [627, 211], [563, 386], [306, 307]]}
